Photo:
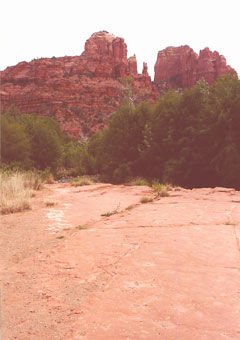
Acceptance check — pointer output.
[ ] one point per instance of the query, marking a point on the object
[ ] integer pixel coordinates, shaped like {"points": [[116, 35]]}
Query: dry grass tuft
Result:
{"points": [[16, 190], [50, 179], [130, 207], [161, 190], [15, 194], [112, 212], [145, 199], [31, 180], [18, 206], [50, 203], [81, 227], [230, 223]]}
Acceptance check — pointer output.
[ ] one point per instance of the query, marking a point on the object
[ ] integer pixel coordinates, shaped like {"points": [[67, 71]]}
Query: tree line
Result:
{"points": [[29, 141], [191, 139]]}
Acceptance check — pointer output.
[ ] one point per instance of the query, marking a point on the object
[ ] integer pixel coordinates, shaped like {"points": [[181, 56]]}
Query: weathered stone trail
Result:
{"points": [[166, 270]]}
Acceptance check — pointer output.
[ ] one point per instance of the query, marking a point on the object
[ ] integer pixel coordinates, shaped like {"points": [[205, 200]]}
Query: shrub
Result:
{"points": [[161, 190], [30, 140], [46, 144], [15, 143], [80, 181], [121, 174], [140, 182]]}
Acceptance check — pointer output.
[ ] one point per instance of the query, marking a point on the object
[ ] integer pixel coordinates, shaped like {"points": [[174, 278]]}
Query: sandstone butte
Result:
{"points": [[181, 67], [81, 92]]}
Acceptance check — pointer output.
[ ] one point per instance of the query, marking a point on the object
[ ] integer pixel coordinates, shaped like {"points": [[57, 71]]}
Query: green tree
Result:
{"points": [[15, 143], [122, 141], [45, 143], [224, 105]]}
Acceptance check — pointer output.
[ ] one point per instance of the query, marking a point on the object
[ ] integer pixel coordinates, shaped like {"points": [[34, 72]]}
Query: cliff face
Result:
{"points": [[181, 67], [81, 92]]}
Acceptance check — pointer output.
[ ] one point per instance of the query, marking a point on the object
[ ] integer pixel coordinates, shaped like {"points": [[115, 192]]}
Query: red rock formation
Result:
{"points": [[132, 65], [79, 92], [180, 67], [175, 67], [211, 65], [145, 69], [82, 92]]}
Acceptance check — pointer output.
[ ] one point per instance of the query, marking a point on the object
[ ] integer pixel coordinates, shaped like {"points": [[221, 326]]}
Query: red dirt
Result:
{"points": [[162, 270]]}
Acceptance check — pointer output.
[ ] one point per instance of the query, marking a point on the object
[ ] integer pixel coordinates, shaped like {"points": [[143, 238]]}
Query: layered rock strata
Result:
{"points": [[181, 67], [81, 92]]}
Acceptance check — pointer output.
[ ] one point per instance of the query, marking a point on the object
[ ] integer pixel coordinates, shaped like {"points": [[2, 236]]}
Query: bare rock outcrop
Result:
{"points": [[81, 92], [181, 67]]}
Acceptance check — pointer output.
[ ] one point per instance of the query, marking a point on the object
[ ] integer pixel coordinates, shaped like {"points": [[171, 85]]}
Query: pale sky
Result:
{"points": [[44, 28]]}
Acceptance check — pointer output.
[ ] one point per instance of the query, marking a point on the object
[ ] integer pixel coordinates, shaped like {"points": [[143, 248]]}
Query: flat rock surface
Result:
{"points": [[168, 269]]}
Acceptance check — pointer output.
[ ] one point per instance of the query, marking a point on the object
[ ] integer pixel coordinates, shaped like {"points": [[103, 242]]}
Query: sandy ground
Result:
{"points": [[165, 270]]}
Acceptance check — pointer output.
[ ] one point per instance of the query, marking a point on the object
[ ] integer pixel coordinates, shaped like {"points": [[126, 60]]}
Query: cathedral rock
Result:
{"points": [[81, 92], [181, 67]]}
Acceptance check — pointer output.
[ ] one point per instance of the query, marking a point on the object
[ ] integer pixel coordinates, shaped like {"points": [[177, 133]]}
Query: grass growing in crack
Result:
{"points": [[130, 207], [145, 199], [81, 227], [113, 212], [50, 203], [230, 223], [80, 181]]}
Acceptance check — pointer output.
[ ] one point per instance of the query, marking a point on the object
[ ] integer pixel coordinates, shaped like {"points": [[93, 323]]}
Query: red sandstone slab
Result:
{"points": [[153, 272]]}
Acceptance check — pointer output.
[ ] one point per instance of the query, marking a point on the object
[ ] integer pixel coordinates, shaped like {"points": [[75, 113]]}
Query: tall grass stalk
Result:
{"points": [[16, 190]]}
